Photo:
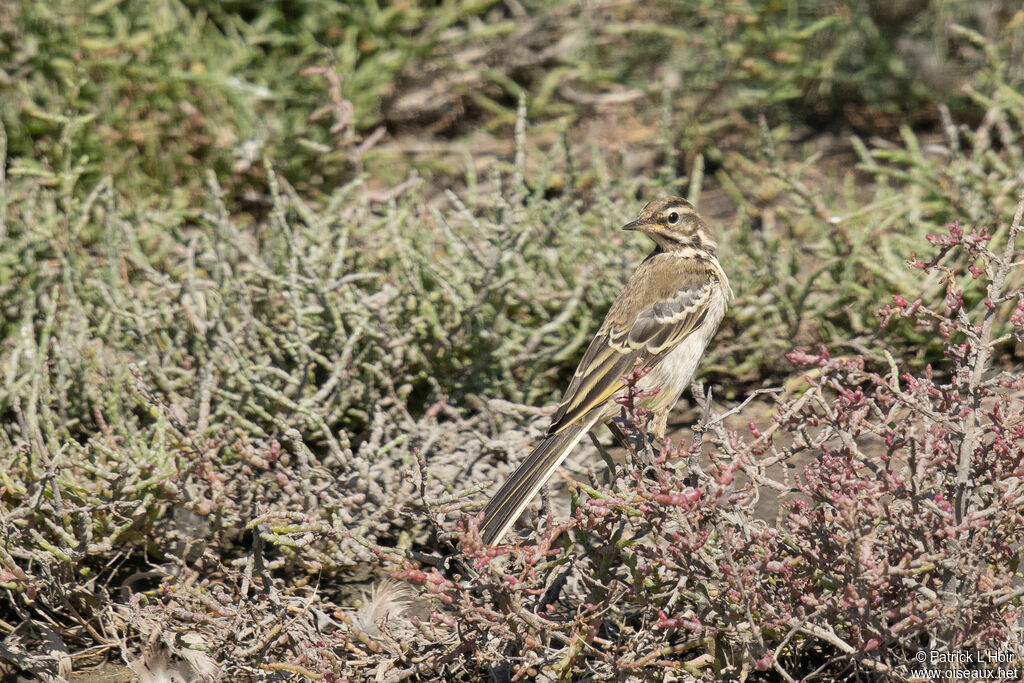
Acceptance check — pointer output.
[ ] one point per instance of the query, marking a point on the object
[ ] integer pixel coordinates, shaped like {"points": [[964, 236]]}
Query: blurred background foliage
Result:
{"points": [[174, 88]]}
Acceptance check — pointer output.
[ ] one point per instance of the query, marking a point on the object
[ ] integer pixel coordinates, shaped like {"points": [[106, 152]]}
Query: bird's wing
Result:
{"points": [[663, 303]]}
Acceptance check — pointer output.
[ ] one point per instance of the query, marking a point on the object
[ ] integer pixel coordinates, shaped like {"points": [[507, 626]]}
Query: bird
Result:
{"points": [[661, 322]]}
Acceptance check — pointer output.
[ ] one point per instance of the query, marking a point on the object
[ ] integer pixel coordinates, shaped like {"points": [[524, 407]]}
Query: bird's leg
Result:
{"points": [[646, 441], [620, 436], [545, 507], [605, 455], [636, 444]]}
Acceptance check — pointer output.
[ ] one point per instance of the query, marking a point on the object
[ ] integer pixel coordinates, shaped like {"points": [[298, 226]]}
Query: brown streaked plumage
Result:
{"points": [[662, 320]]}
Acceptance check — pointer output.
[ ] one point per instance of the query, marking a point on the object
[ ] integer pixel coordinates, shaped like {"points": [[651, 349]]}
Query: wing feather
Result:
{"points": [[666, 300]]}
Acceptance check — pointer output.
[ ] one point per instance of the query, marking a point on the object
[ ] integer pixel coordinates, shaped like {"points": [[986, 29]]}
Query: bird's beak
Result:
{"points": [[642, 226]]}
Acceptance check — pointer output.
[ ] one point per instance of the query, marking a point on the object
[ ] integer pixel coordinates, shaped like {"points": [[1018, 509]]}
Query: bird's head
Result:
{"points": [[673, 224]]}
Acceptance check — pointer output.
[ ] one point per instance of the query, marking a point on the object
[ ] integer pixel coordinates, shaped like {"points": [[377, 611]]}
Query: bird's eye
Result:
{"points": [[673, 217]]}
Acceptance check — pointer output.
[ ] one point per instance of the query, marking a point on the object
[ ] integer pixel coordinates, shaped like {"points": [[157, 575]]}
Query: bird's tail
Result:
{"points": [[518, 490]]}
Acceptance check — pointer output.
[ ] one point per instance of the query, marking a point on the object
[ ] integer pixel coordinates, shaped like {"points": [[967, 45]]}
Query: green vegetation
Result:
{"points": [[261, 261]]}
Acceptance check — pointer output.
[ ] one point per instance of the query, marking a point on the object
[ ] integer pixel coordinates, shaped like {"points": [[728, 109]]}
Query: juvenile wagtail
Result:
{"points": [[662, 321]]}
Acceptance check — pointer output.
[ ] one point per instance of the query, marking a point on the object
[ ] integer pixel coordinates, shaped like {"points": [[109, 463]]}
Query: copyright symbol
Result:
{"points": [[920, 656]]}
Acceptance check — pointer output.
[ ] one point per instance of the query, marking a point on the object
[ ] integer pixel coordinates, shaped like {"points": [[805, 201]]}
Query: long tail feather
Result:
{"points": [[518, 490]]}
